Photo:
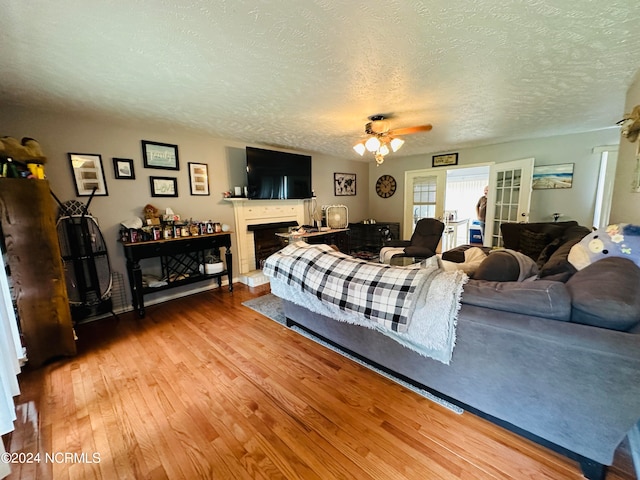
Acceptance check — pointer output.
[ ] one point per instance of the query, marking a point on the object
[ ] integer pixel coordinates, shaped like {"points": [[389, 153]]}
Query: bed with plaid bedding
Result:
{"points": [[416, 305]]}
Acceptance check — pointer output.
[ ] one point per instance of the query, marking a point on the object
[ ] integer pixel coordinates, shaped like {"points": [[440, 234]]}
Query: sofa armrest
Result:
{"points": [[605, 294]]}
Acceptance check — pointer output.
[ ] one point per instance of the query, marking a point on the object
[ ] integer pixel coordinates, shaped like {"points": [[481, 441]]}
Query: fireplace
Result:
{"points": [[265, 240], [248, 214]]}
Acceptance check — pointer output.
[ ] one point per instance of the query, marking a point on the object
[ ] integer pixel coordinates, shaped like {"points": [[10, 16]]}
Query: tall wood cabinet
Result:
{"points": [[28, 221]]}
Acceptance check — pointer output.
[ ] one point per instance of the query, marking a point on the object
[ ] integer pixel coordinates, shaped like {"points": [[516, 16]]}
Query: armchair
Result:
{"points": [[423, 243]]}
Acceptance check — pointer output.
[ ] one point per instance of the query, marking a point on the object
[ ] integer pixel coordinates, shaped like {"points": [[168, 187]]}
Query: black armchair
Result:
{"points": [[423, 243]]}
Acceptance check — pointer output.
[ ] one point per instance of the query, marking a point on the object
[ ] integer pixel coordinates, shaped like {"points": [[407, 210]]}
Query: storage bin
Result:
{"points": [[475, 233]]}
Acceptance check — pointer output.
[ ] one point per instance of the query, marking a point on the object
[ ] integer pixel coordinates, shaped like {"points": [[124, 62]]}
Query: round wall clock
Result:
{"points": [[386, 186]]}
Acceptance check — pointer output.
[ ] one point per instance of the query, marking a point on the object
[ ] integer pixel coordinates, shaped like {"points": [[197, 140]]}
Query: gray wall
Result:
{"points": [[59, 134], [576, 203]]}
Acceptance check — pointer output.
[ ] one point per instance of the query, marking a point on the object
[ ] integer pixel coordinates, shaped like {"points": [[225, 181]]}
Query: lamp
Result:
{"points": [[379, 144]]}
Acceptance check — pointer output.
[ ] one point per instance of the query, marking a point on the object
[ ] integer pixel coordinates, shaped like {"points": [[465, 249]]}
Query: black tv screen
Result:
{"points": [[277, 175]]}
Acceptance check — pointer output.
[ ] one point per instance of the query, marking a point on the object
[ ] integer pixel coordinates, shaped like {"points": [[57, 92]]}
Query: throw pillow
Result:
{"points": [[557, 266], [532, 243], [547, 251], [605, 294]]}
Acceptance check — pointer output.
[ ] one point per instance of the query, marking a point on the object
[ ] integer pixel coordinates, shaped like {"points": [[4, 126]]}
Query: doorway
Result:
{"points": [[464, 188]]}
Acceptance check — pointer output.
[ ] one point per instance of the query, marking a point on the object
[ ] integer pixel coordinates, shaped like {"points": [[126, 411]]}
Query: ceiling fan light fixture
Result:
{"points": [[382, 140], [360, 148], [396, 143], [373, 144]]}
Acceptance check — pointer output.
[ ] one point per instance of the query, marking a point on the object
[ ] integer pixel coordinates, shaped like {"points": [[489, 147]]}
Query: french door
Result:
{"points": [[509, 197]]}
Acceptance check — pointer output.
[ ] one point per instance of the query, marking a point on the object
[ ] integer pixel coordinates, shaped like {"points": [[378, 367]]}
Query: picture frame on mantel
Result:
{"points": [[444, 160], [88, 174], [160, 155]]}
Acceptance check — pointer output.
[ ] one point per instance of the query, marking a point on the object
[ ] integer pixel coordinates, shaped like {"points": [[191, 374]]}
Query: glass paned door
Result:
{"points": [[424, 197], [509, 197]]}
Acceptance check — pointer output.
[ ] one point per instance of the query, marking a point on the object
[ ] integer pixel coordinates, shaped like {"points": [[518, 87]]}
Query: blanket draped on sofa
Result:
{"points": [[416, 305]]}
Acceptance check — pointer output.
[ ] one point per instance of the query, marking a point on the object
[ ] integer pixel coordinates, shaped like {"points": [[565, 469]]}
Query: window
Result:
{"points": [[424, 198]]}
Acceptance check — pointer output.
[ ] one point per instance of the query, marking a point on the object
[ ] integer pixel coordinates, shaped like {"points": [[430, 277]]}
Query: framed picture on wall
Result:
{"points": [[164, 186], [344, 184], [444, 160], [160, 155], [199, 178], [553, 176], [88, 174], [123, 169]]}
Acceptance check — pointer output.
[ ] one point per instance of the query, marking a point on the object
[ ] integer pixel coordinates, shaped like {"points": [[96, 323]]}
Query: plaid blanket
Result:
{"points": [[381, 293]]}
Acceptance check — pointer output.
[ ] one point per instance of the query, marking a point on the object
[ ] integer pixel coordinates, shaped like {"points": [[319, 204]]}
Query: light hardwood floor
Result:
{"points": [[203, 387]]}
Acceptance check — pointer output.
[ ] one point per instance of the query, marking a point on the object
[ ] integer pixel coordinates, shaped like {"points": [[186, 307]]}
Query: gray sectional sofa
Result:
{"points": [[555, 360]]}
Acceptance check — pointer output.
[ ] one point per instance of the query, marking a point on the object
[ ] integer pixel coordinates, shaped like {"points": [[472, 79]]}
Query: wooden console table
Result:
{"points": [[180, 260]]}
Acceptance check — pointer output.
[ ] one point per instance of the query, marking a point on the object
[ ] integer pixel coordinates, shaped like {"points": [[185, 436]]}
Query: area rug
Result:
{"points": [[268, 305], [271, 306]]}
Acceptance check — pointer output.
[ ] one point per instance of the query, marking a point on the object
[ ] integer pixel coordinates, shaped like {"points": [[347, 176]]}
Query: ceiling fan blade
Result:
{"points": [[410, 130]]}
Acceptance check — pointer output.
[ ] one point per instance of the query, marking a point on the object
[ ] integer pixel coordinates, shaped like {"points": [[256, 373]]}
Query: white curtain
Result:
{"points": [[11, 354], [462, 196]]}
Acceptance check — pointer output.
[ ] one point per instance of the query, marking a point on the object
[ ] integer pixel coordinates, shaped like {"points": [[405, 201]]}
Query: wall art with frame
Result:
{"points": [[344, 184], [160, 155], [444, 160], [123, 169], [88, 174], [553, 176], [164, 186], [199, 178]]}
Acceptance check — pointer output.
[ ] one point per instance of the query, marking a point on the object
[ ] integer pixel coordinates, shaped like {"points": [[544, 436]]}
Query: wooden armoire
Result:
{"points": [[28, 222]]}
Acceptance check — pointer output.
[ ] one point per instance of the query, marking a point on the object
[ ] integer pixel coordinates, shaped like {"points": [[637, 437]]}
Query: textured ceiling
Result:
{"points": [[305, 75]]}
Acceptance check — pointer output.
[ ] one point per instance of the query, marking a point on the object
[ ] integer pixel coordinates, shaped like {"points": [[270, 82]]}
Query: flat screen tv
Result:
{"points": [[273, 175]]}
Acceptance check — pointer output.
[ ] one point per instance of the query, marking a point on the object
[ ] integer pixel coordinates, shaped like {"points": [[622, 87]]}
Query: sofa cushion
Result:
{"points": [[558, 264], [540, 298], [511, 231], [605, 294], [532, 243], [547, 251]]}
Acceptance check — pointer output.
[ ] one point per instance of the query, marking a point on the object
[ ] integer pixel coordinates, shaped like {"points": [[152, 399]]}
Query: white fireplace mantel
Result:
{"points": [[253, 212]]}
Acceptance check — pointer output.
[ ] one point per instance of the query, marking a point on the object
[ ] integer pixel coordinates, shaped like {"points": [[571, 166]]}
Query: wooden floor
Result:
{"points": [[204, 387]]}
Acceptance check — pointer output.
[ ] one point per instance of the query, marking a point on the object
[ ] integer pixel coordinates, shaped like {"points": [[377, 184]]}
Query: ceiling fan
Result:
{"points": [[383, 140]]}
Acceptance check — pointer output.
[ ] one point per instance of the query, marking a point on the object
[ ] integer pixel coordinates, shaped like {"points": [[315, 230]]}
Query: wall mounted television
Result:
{"points": [[273, 175]]}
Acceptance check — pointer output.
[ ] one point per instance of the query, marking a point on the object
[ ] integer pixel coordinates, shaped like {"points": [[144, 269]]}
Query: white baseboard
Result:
{"points": [[165, 297]]}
